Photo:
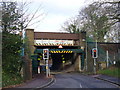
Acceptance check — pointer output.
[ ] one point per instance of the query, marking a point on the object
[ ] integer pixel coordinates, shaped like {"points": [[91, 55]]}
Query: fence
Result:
{"points": [[106, 52]]}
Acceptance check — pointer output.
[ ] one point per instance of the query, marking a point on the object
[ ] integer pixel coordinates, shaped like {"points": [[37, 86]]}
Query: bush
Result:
{"points": [[11, 47], [11, 79], [11, 59]]}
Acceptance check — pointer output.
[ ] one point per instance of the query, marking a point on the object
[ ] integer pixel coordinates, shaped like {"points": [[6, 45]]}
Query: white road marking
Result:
{"points": [[80, 85], [52, 83]]}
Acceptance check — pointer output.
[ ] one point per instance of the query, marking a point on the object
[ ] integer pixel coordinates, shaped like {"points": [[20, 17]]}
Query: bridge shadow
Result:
{"points": [[61, 61]]}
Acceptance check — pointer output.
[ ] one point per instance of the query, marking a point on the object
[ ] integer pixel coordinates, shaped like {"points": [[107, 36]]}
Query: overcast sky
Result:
{"points": [[56, 12]]}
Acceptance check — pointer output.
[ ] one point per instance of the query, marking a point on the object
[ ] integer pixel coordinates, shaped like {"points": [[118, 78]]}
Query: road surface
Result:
{"points": [[76, 80]]}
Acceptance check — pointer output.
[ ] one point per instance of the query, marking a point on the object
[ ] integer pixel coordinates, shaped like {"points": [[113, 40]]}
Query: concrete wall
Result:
{"points": [[77, 64], [82, 40], [89, 60], [77, 56], [82, 44]]}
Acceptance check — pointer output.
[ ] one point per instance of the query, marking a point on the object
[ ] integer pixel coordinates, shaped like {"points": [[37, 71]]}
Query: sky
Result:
{"points": [[54, 13]]}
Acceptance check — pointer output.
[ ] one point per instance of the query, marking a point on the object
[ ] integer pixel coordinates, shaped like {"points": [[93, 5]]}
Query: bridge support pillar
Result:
{"points": [[27, 67], [77, 65]]}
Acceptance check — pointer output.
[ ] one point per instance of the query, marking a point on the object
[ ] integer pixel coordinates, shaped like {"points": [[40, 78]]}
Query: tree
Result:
{"points": [[11, 42], [94, 19], [114, 15], [14, 19], [16, 16], [114, 9], [101, 20], [71, 26], [10, 17]]}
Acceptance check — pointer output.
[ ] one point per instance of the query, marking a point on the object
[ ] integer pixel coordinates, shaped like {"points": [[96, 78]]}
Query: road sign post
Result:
{"points": [[38, 69], [107, 58], [94, 65], [47, 68], [46, 57], [49, 72], [94, 56]]}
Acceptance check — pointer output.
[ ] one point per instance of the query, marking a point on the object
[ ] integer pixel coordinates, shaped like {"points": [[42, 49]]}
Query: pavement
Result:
{"points": [[113, 80], [39, 81]]}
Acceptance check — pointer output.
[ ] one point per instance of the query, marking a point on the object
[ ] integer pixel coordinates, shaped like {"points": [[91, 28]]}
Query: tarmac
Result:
{"points": [[41, 81], [112, 80]]}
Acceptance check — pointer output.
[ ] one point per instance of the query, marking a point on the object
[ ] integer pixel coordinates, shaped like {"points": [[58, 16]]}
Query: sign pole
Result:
{"points": [[94, 56], [97, 55], [38, 69], [49, 72], [107, 58], [46, 67], [94, 66], [46, 57]]}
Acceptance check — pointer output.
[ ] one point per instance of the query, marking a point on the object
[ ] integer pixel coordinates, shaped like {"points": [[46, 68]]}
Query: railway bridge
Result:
{"points": [[66, 49]]}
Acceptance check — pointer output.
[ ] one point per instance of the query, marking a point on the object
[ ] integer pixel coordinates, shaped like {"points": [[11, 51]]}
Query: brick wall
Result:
{"points": [[30, 36]]}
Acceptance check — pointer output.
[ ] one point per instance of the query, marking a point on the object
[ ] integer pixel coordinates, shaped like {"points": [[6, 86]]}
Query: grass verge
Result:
{"points": [[112, 71]]}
